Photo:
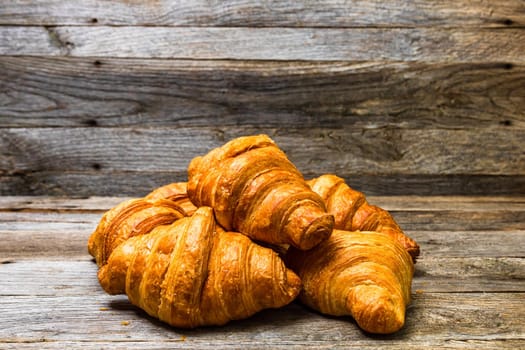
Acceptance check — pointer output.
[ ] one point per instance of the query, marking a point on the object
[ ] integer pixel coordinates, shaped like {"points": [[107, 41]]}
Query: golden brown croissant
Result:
{"points": [[190, 274], [352, 212], [256, 190], [175, 192], [130, 218], [367, 275]]}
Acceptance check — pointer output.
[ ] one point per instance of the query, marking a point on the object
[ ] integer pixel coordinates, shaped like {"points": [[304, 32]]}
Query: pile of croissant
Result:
{"points": [[247, 232]]}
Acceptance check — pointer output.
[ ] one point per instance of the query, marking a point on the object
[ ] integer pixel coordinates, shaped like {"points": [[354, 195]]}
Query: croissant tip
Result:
{"points": [[319, 230], [379, 311], [294, 283]]}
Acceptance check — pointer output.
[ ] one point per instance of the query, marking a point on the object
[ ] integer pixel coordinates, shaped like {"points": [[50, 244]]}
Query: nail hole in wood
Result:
{"points": [[96, 166], [91, 122], [508, 22], [94, 20], [97, 63], [508, 66], [506, 122]]}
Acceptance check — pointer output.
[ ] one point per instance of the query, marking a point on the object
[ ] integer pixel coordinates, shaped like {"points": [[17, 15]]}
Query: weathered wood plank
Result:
{"points": [[430, 220], [68, 277], [314, 151], [265, 13], [51, 91], [49, 160], [475, 316], [449, 220], [55, 240], [469, 279], [460, 243], [89, 204], [460, 203], [397, 203], [274, 344], [135, 184], [324, 44], [51, 236], [465, 274], [44, 240], [41, 278]]}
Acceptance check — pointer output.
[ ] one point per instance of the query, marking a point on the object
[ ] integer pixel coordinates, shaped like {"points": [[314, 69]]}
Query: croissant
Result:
{"points": [[191, 274], [130, 218], [366, 275], [256, 190], [175, 192], [352, 212]]}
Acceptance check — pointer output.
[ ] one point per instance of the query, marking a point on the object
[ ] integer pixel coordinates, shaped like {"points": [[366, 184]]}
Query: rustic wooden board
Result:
{"points": [[467, 289], [44, 155], [317, 44], [44, 277], [235, 98], [72, 92], [444, 226], [422, 219], [395, 203], [41, 241], [139, 183], [401, 99], [313, 151], [82, 205], [496, 316], [162, 345], [328, 13]]}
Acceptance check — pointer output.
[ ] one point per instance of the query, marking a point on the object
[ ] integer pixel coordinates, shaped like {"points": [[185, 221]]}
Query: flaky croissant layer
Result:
{"points": [[175, 192], [130, 218], [256, 190], [352, 212], [191, 274], [366, 275]]}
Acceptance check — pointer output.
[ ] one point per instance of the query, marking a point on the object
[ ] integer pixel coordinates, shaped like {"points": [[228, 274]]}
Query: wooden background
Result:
{"points": [[419, 104], [115, 98]]}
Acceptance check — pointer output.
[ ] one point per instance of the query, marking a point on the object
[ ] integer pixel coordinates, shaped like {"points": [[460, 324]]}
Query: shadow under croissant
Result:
{"points": [[281, 323], [280, 318], [353, 328]]}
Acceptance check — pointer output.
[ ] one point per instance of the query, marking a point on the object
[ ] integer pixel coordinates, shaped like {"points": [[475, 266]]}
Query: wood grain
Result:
{"points": [[467, 288], [314, 151], [405, 100], [329, 13], [398, 203], [74, 205], [39, 277], [422, 219], [428, 319], [140, 183], [39, 240], [314, 44], [109, 161], [450, 227], [275, 344], [72, 92]]}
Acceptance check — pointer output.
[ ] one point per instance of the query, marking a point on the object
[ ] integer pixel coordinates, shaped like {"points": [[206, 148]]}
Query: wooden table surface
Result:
{"points": [[468, 290], [419, 104]]}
